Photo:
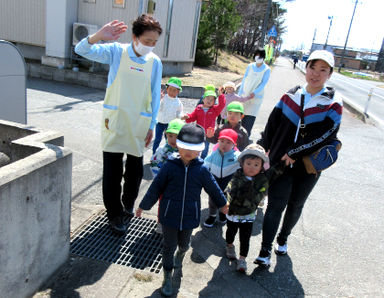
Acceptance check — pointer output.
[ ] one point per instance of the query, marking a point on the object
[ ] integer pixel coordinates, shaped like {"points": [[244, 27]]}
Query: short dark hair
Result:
{"points": [[259, 52], [251, 156], [311, 62], [145, 23]]}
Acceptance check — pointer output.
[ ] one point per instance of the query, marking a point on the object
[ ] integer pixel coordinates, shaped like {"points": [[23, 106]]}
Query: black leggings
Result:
{"points": [[245, 234], [112, 176], [289, 191]]}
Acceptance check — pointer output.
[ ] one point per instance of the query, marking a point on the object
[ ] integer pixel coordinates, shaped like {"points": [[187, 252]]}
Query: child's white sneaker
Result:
{"points": [[230, 252], [262, 203], [159, 228], [281, 249], [241, 265]]}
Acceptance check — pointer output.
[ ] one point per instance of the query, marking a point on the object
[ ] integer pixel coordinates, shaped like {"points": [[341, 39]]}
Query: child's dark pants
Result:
{"points": [[173, 238], [245, 234]]}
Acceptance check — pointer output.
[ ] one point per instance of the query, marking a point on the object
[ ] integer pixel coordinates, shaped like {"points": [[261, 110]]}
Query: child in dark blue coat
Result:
{"points": [[180, 182]]}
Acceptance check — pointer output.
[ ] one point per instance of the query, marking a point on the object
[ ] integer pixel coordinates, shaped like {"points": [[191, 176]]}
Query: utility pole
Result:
{"points": [[265, 24], [313, 40], [329, 29], [346, 40]]}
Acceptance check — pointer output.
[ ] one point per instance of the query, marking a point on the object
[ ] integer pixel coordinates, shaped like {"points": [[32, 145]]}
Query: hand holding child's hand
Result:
{"points": [[225, 208], [250, 96], [149, 137], [185, 117], [162, 93], [210, 132], [139, 211], [287, 159]]}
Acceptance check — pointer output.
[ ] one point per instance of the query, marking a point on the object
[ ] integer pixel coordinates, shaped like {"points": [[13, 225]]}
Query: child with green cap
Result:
{"points": [[205, 114], [170, 108], [206, 88], [163, 153], [235, 112]]}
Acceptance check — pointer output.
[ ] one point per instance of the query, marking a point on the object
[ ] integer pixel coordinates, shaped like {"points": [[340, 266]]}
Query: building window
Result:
{"points": [[195, 27], [168, 28], [118, 3]]}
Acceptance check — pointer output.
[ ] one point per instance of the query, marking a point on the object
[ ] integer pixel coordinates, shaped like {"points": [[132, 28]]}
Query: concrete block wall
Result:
{"points": [[88, 79], [35, 198]]}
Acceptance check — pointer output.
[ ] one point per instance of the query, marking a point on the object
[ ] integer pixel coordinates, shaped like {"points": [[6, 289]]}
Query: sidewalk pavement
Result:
{"points": [[335, 249]]}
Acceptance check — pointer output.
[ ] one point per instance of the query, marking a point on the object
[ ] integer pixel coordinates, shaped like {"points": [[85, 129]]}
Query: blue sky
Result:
{"points": [[304, 16]]}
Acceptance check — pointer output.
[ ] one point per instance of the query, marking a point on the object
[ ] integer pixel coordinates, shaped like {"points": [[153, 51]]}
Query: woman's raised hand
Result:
{"points": [[110, 31]]}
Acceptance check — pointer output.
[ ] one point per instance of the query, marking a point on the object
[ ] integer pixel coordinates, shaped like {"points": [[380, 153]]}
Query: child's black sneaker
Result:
{"points": [[222, 218], [264, 258], [210, 221]]}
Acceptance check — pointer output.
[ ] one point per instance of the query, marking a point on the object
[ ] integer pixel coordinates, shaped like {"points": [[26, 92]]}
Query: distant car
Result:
{"points": [[304, 58]]}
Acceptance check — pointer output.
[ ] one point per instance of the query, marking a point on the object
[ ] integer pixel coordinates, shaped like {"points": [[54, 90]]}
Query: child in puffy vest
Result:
{"points": [[222, 163], [244, 192]]}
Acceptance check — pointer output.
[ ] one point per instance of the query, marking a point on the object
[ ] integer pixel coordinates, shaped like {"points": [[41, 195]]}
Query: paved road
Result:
{"points": [[357, 91], [335, 250]]}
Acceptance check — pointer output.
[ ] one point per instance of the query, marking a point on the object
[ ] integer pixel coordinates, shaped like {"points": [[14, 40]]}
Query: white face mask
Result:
{"points": [[142, 49], [259, 60]]}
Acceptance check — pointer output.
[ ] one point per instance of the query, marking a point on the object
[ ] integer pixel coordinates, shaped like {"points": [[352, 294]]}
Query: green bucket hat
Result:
{"points": [[235, 106], [175, 125], [209, 87], [175, 82], [209, 93]]}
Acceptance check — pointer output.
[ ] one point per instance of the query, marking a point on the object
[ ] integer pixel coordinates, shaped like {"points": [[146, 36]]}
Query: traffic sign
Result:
{"points": [[272, 31]]}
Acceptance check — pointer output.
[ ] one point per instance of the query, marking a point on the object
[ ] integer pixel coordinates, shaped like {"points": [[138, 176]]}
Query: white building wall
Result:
{"points": [[23, 21], [180, 40]]}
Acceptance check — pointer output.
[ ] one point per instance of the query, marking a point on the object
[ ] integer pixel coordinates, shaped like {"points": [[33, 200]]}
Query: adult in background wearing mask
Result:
{"points": [[255, 78], [130, 109]]}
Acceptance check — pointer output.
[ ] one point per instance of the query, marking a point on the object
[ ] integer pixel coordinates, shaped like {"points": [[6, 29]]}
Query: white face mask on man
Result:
{"points": [[142, 49], [259, 60]]}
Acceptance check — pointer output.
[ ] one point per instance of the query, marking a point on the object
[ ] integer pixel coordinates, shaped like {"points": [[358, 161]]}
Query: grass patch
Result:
{"points": [[229, 68], [233, 62], [356, 76]]}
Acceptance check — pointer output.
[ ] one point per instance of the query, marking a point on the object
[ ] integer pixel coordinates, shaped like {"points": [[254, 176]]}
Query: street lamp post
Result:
{"points": [[329, 29], [346, 40]]}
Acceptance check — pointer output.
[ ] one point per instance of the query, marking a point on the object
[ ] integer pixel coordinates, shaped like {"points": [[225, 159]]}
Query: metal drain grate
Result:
{"points": [[140, 248]]}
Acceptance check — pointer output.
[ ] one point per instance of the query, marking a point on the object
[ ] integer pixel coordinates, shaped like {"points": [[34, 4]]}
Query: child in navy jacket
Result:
{"points": [[180, 182]]}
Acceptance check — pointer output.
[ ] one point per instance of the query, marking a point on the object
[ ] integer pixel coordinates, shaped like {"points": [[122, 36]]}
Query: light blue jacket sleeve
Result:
{"points": [[102, 53], [110, 53], [157, 72]]}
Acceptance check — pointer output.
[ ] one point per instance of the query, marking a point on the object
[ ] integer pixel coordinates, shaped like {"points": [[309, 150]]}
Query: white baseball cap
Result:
{"points": [[323, 55]]}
